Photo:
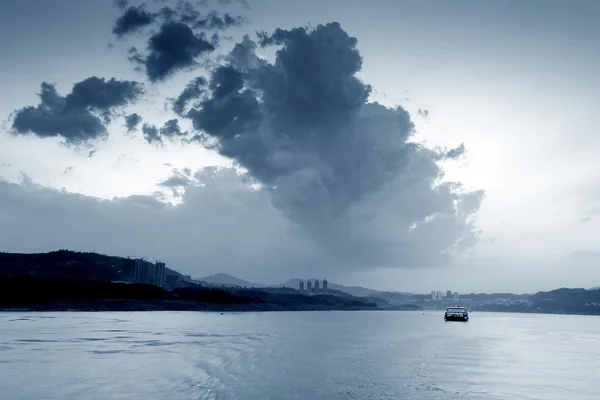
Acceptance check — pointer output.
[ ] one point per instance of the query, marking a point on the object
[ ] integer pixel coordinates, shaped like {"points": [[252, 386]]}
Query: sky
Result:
{"points": [[409, 146]]}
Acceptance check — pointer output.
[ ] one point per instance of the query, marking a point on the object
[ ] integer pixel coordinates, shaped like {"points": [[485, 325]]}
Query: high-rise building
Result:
{"points": [[159, 274], [316, 285], [128, 273], [433, 296], [308, 286], [301, 286], [449, 294], [455, 295], [439, 295], [324, 285], [151, 279], [140, 271]]}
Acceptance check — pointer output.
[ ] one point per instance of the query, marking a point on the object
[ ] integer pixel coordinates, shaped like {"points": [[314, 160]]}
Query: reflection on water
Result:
{"points": [[312, 355]]}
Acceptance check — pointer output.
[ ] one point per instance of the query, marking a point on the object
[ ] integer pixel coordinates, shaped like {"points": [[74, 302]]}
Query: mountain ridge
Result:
{"points": [[222, 278]]}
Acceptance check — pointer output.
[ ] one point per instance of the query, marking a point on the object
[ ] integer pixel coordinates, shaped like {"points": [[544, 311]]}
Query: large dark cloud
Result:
{"points": [[344, 169], [79, 117]]}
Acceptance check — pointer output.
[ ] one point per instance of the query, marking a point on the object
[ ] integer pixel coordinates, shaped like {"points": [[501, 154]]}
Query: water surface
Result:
{"points": [[301, 355]]}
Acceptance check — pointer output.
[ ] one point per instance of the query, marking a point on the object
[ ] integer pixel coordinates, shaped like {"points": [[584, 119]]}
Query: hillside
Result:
{"points": [[229, 280], [65, 264], [37, 294], [357, 291]]}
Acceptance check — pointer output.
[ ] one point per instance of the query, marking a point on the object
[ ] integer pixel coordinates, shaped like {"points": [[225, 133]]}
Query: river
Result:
{"points": [[297, 355]]}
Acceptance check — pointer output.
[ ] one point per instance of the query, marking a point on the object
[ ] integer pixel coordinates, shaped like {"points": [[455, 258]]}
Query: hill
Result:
{"points": [[228, 280], [74, 295], [66, 264], [357, 291]]}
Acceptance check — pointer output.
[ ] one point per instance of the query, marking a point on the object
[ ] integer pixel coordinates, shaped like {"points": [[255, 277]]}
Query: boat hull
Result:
{"points": [[456, 318]]}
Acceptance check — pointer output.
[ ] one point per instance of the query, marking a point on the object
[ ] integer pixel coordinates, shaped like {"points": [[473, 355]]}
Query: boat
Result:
{"points": [[456, 313]]}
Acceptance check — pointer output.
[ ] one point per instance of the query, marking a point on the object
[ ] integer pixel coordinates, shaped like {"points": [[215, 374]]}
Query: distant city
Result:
{"points": [[60, 267], [313, 286], [448, 297]]}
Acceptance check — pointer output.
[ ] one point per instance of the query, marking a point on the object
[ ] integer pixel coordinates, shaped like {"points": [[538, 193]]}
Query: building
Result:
{"points": [[449, 294], [144, 272], [324, 285], [308, 286], [159, 274], [433, 295], [301, 286], [455, 296], [140, 274], [440, 296], [128, 273], [316, 285]]}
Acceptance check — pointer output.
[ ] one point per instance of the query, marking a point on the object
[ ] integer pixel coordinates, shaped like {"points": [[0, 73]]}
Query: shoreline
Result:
{"points": [[268, 308]]}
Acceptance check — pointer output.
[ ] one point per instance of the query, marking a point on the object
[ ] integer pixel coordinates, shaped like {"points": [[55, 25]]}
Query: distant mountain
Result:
{"points": [[228, 280], [357, 291]]}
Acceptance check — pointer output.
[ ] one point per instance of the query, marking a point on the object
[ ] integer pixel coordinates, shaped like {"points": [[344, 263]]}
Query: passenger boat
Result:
{"points": [[456, 314]]}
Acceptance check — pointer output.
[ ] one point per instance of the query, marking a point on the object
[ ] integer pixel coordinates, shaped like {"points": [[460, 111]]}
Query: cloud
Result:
{"points": [[452, 154], [79, 117], [215, 21], [132, 20], [340, 178], [132, 121], [221, 225], [423, 113], [193, 90], [121, 4], [174, 47], [176, 180], [170, 130], [343, 169], [186, 33], [151, 134]]}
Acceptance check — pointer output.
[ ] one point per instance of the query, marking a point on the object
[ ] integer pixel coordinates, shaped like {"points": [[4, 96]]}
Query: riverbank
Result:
{"points": [[72, 295]]}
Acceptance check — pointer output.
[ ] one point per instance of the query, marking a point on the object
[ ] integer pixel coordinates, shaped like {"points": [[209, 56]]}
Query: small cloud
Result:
{"points": [[133, 20], [151, 134], [81, 116], [452, 154], [122, 4], [132, 121], [423, 113], [25, 179], [68, 169], [170, 130], [586, 219], [193, 90], [178, 182]]}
